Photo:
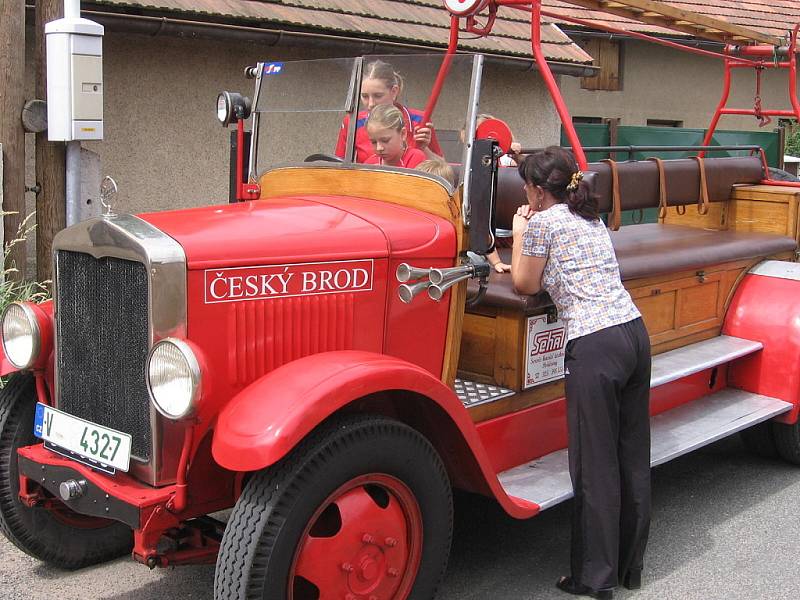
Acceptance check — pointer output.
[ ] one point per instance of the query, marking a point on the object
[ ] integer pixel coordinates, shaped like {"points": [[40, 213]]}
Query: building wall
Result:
{"points": [[667, 84], [165, 148]]}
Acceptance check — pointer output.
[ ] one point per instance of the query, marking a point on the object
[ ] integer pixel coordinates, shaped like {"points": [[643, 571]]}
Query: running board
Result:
{"points": [[667, 367], [546, 481], [682, 362]]}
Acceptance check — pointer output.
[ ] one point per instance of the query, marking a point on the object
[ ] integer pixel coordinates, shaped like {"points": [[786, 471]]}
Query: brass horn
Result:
{"points": [[408, 291]]}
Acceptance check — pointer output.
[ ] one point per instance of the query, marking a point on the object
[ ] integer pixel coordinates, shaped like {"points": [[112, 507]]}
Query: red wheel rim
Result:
{"points": [[364, 542]]}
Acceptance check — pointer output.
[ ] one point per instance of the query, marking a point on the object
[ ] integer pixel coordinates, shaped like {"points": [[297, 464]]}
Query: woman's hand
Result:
{"points": [[501, 267], [520, 223], [422, 136], [526, 210]]}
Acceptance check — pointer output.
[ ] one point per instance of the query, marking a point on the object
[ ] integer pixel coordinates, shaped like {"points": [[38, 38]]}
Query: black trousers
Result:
{"points": [[608, 417]]}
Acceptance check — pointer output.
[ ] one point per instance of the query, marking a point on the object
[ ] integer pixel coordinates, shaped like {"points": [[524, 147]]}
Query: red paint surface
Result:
{"points": [[267, 420], [767, 309], [375, 551], [302, 229]]}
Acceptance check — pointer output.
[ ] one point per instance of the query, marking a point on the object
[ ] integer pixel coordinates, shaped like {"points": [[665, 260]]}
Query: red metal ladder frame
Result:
{"points": [[534, 7]]}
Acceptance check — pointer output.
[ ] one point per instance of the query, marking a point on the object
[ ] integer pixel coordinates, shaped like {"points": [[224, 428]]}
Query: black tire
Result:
{"points": [[760, 440], [37, 531], [277, 504], [787, 441]]}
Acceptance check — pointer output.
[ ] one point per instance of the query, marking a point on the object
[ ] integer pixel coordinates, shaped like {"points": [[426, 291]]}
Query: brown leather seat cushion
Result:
{"points": [[651, 249], [638, 183]]}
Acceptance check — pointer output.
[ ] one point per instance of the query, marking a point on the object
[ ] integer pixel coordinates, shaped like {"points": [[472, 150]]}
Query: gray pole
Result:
{"points": [[73, 176]]}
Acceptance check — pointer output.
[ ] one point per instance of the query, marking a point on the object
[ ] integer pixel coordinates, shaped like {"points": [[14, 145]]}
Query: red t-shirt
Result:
{"points": [[411, 117], [410, 159]]}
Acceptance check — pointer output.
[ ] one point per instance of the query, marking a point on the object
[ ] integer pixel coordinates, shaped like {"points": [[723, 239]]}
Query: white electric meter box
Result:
{"points": [[74, 79]]}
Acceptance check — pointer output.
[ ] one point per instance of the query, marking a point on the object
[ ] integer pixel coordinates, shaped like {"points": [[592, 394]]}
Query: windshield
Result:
{"points": [[320, 107]]}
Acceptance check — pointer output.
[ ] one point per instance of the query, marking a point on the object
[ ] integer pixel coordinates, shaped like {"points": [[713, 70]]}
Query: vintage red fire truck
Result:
{"points": [[328, 358]]}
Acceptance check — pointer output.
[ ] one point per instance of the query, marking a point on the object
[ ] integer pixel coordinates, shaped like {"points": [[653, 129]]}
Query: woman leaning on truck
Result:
{"points": [[561, 246]]}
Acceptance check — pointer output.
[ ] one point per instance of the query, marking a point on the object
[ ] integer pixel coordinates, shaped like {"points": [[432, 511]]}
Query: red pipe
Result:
{"points": [[780, 183], [793, 72], [759, 50], [41, 389], [452, 46], [726, 92], [179, 501], [239, 159], [761, 65], [750, 111], [552, 86]]}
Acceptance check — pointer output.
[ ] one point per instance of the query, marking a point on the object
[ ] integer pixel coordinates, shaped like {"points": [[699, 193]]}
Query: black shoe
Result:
{"points": [[633, 579], [569, 585]]}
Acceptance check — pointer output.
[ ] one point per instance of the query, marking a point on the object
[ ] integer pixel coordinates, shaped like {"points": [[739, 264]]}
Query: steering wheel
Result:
{"points": [[323, 157]]}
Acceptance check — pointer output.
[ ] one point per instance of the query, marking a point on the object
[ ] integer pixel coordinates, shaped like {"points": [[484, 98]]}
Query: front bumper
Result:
{"points": [[118, 497]]}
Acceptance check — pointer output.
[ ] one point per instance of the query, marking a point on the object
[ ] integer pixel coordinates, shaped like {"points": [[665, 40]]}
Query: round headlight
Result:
{"points": [[173, 378], [224, 108], [21, 335]]}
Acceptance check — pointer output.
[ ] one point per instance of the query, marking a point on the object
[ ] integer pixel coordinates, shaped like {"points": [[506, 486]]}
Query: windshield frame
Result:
{"points": [[352, 109]]}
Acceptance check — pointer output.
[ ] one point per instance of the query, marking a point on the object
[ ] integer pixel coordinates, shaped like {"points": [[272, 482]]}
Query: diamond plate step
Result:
{"points": [[546, 482], [473, 393]]}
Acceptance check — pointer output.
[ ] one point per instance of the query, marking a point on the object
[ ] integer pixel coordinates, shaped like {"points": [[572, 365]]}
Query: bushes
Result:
{"points": [[793, 141]]}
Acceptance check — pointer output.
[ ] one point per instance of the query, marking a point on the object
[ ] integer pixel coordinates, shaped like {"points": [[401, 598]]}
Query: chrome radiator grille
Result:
{"points": [[103, 340]]}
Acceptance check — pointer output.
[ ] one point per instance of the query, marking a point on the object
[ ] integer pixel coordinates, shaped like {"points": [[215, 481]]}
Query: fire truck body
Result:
{"points": [[307, 358]]}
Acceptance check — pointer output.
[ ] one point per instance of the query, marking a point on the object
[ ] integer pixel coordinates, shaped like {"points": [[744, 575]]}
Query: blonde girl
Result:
{"points": [[382, 85], [388, 138]]}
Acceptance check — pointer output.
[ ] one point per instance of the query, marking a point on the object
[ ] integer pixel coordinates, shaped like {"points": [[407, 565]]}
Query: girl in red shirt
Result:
{"points": [[388, 137], [381, 84]]}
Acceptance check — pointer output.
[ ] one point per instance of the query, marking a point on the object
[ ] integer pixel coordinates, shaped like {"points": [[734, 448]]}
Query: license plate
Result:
{"points": [[106, 446]]}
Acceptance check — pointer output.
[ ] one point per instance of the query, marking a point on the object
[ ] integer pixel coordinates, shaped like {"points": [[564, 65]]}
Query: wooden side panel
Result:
{"points": [[687, 305], [716, 218], [478, 344], [764, 208]]}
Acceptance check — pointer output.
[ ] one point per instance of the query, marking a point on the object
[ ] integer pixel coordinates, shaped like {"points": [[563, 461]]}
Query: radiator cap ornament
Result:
{"points": [[108, 191]]}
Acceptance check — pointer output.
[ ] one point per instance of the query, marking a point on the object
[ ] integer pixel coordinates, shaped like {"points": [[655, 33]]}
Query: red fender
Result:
{"points": [[264, 422], [767, 309]]}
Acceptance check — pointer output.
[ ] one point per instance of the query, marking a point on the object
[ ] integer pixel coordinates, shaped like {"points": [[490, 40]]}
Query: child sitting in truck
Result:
{"points": [[389, 138], [438, 167], [381, 84]]}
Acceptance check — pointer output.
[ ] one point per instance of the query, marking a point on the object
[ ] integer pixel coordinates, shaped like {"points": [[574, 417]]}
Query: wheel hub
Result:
{"points": [[375, 549]]}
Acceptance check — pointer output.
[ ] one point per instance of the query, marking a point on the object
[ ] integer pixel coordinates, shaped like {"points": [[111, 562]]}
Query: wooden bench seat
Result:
{"points": [[650, 250]]}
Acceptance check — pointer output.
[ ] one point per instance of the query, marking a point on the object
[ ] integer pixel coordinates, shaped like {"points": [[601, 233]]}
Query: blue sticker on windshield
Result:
{"points": [[273, 68]]}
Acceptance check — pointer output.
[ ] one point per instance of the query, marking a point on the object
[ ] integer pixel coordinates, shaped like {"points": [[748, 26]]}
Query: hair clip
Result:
{"points": [[577, 177]]}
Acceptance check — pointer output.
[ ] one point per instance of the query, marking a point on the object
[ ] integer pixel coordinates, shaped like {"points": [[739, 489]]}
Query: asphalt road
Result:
{"points": [[725, 526]]}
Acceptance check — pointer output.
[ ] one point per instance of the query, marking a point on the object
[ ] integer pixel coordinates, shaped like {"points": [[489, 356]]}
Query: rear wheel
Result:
{"points": [[787, 441], [361, 510], [61, 537]]}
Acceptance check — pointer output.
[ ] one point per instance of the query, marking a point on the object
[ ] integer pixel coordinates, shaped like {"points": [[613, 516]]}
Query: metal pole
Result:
{"points": [[73, 187]]}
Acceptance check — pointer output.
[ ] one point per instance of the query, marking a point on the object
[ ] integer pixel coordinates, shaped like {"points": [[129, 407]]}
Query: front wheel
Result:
{"points": [[361, 510], [60, 537]]}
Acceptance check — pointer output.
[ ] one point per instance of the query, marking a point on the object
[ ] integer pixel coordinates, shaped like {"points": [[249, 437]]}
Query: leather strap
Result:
{"points": [[615, 218], [662, 188], [702, 203]]}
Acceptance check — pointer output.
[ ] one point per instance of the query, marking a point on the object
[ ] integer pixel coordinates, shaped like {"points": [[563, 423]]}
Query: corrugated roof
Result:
{"points": [[773, 17], [423, 22]]}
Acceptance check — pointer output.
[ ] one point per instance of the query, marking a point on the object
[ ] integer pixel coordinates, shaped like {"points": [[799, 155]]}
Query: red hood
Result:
{"points": [[308, 228]]}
